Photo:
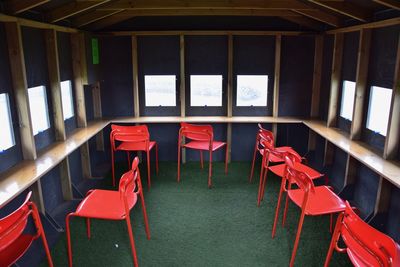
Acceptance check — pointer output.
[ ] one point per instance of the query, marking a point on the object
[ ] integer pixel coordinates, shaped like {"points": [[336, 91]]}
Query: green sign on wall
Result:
{"points": [[95, 51]]}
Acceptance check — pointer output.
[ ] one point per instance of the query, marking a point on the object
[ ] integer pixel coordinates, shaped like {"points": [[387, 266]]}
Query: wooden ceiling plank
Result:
{"points": [[321, 16], [371, 25], [389, 3], [71, 9], [18, 6], [111, 20], [345, 8], [304, 21], [93, 16]]}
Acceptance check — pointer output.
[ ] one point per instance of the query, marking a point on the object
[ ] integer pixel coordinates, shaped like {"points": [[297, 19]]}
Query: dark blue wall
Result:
{"points": [[326, 74]]}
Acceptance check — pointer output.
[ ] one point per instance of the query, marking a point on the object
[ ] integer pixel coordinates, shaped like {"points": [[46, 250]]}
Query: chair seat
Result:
{"points": [[135, 146], [104, 204], [322, 201], [275, 159], [204, 145], [279, 170], [16, 250]]}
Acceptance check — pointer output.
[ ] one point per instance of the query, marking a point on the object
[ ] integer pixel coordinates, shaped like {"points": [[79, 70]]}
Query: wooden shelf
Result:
{"points": [[21, 176], [390, 170]]}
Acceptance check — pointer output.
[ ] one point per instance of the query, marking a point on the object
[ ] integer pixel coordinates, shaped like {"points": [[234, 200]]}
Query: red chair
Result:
{"points": [[269, 152], [202, 139], [365, 245], [132, 138], [112, 205], [268, 136], [313, 200], [13, 241]]}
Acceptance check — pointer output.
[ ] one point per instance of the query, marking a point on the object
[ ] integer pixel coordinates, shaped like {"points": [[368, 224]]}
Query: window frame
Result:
{"points": [[220, 94], [46, 106], [266, 90], [71, 100], [10, 123], [343, 93], [387, 106], [174, 94]]}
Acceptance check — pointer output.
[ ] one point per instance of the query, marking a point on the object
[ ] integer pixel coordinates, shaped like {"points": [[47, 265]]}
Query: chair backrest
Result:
{"points": [[292, 175], [196, 132], [265, 134], [130, 183], [271, 150], [124, 133], [367, 243], [13, 225]]}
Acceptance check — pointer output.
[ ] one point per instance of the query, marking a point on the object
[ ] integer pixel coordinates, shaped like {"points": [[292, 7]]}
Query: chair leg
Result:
{"points": [[43, 237], [278, 205], [260, 186], [264, 183], [226, 158], [145, 218], [128, 225], [335, 238], [286, 206], [148, 169], [112, 167], [252, 164], [210, 170], [68, 232], [88, 227], [178, 178], [156, 158], [201, 159], [296, 242]]}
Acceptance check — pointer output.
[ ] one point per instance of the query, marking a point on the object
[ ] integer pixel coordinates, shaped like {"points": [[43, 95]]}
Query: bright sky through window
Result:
{"points": [[348, 93], [160, 90], [67, 99], [252, 90], [6, 133], [379, 108], [206, 90], [38, 108]]}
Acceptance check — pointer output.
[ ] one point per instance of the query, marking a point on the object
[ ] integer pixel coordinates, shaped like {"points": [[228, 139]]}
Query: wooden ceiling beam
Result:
{"points": [[321, 16], [93, 16], [71, 9], [389, 3], [345, 8], [304, 21], [18, 6]]}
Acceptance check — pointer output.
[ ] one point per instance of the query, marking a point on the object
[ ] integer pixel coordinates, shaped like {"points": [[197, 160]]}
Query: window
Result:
{"points": [[206, 90], [348, 93], [160, 90], [252, 90], [67, 99], [6, 133], [38, 108], [378, 109]]}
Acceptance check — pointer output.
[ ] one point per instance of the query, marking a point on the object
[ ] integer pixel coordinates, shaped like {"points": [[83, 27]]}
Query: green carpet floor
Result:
{"points": [[192, 225]]}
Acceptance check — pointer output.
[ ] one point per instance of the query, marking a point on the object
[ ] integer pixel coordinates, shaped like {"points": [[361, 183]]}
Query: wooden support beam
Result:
{"points": [[182, 88], [316, 87], [383, 194], [361, 84], [72, 8], [135, 65], [389, 3], [37, 196], [18, 6], [55, 86], [20, 87], [93, 16], [351, 170], [197, 33], [85, 160], [392, 140], [371, 25], [98, 114], [78, 67], [345, 8], [230, 76], [66, 184], [335, 80], [329, 153], [321, 16], [305, 22], [277, 75]]}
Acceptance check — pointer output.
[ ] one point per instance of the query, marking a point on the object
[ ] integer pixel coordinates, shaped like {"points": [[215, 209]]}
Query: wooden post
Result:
{"points": [[383, 194], [361, 83], [37, 195], [135, 77], [277, 76], [351, 170], [66, 183], [329, 153], [393, 132], [20, 87], [98, 114], [182, 88], [229, 102], [318, 55], [335, 80]]}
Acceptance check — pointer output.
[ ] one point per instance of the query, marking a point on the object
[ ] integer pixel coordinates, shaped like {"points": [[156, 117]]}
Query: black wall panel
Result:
{"points": [[166, 136], [338, 169], [116, 72], [297, 66], [51, 188], [326, 76], [206, 55], [254, 55], [294, 135], [350, 53], [65, 56], [243, 140], [93, 71], [393, 219], [365, 190], [13, 155], [158, 55]]}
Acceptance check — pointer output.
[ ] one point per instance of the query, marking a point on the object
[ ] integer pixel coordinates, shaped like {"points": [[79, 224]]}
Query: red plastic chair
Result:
{"points": [[112, 205], [132, 138], [202, 139], [269, 137], [313, 200], [13, 241], [365, 245], [269, 152]]}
